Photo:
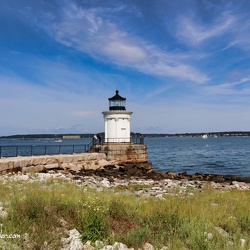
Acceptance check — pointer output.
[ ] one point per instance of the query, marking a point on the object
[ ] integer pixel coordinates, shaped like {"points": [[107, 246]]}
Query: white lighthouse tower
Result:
{"points": [[117, 120], [117, 144]]}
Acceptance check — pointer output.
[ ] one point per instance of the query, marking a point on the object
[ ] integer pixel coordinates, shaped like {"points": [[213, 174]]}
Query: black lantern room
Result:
{"points": [[117, 102]]}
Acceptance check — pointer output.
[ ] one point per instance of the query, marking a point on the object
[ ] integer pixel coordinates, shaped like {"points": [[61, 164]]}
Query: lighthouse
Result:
{"points": [[117, 120], [117, 144]]}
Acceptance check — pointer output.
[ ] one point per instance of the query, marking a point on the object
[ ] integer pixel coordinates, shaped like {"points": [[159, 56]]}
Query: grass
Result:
{"points": [[35, 211]]}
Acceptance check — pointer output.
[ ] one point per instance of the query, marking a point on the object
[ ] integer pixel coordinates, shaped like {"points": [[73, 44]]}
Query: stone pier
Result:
{"points": [[98, 157], [122, 151], [73, 162]]}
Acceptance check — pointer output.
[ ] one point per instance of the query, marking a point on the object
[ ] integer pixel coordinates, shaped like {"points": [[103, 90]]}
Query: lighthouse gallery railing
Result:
{"points": [[131, 140]]}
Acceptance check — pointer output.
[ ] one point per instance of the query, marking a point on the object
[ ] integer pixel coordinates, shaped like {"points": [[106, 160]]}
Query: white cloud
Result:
{"points": [[194, 32], [87, 31], [229, 29], [230, 88], [93, 35], [123, 51], [174, 69]]}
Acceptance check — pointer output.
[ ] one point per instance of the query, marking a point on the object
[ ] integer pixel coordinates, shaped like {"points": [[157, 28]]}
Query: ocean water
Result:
{"points": [[42, 141], [222, 155]]}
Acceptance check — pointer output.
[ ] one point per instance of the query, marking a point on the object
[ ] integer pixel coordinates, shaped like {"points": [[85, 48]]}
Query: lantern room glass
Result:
{"points": [[117, 103]]}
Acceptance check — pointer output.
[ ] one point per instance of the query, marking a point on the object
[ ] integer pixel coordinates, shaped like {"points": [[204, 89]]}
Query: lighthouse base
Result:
{"points": [[122, 151]]}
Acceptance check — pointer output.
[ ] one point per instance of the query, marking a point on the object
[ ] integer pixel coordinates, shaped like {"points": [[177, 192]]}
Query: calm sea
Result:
{"points": [[222, 155]]}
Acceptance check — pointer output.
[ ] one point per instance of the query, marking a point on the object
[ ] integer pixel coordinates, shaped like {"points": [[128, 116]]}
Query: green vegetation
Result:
{"points": [[35, 211]]}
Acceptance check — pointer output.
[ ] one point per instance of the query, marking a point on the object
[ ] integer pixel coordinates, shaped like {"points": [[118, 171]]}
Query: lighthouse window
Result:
{"points": [[117, 103], [123, 128]]}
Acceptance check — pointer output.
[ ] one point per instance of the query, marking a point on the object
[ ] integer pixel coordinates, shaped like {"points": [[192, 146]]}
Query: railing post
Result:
{"points": [[17, 151], [141, 140], [0, 152]]}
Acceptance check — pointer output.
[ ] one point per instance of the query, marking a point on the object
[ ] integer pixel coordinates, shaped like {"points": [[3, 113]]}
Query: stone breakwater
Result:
{"points": [[34, 164], [74, 162]]}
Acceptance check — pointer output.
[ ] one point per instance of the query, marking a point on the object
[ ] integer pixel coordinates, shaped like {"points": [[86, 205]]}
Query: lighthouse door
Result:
{"points": [[123, 130]]}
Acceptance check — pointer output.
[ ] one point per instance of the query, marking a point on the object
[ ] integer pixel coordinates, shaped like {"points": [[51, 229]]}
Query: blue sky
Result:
{"points": [[183, 65]]}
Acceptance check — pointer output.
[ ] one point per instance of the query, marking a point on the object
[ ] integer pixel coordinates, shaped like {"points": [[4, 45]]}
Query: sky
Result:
{"points": [[183, 65]]}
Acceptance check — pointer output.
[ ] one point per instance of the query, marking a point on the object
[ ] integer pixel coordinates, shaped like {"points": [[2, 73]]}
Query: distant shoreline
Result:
{"points": [[146, 135]]}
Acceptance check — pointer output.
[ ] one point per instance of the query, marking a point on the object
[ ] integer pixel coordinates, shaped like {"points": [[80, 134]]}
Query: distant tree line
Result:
{"points": [[133, 134], [210, 134]]}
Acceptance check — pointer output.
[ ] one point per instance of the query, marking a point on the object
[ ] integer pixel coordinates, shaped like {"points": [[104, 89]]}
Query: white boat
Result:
{"points": [[204, 136]]}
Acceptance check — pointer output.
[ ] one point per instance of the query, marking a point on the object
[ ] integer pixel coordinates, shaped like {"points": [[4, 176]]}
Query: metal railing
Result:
{"points": [[30, 150], [132, 140]]}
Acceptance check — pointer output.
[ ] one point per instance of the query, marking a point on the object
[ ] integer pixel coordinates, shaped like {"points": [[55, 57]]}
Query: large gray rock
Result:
{"points": [[148, 246], [222, 232], [73, 242]]}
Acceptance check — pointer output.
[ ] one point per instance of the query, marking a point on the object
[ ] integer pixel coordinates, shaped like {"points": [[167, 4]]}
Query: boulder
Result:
{"points": [[147, 246], [33, 169], [73, 242], [171, 175], [222, 232], [51, 166]]}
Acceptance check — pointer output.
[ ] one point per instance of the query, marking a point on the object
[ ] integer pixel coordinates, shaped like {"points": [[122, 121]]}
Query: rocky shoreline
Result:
{"points": [[88, 164], [126, 175], [158, 183], [145, 171]]}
